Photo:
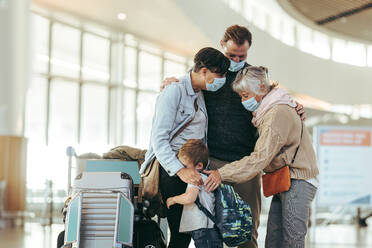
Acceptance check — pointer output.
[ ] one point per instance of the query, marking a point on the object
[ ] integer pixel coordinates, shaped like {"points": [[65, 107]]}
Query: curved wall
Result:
{"points": [[336, 83]]}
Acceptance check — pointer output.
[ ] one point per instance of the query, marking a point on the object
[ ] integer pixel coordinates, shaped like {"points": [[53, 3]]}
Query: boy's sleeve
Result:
{"points": [[204, 177], [189, 185]]}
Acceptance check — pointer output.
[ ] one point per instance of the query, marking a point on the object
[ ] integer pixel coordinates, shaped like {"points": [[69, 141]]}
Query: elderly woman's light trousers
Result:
{"points": [[289, 215]]}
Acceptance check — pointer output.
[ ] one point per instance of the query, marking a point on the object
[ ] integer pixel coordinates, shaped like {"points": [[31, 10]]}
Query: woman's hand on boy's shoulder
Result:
{"points": [[213, 181]]}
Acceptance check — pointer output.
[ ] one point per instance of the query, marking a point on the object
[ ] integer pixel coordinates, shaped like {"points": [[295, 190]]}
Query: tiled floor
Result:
{"points": [[331, 236], [31, 236]]}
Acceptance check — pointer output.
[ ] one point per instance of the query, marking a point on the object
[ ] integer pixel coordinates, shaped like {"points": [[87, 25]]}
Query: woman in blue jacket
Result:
{"points": [[180, 106]]}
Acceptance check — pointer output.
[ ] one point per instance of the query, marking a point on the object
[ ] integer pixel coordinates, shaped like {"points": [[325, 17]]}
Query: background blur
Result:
{"points": [[86, 73]]}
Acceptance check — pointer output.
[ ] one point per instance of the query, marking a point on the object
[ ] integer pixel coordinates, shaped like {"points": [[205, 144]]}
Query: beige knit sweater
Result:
{"points": [[279, 136]]}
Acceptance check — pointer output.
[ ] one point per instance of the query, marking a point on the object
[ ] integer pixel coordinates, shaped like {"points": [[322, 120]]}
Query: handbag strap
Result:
{"points": [[187, 124], [205, 211], [294, 156]]}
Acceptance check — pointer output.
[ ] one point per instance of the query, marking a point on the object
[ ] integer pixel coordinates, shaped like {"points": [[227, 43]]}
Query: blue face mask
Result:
{"points": [[216, 85], [251, 104], [236, 66]]}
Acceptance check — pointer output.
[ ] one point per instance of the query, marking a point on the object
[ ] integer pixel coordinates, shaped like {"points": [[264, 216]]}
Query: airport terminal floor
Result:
{"points": [[331, 236]]}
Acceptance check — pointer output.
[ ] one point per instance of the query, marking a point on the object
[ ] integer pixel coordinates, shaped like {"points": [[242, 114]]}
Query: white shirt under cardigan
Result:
{"points": [[192, 218]]}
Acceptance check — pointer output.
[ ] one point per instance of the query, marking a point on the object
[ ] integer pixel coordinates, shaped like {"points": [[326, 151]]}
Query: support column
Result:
{"points": [[14, 76]]}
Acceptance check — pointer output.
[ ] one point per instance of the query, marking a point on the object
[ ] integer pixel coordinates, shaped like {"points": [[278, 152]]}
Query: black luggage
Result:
{"points": [[147, 234]]}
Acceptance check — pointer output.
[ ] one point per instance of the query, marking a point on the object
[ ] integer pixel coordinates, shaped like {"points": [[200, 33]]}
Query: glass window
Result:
{"points": [[172, 69], [37, 165], [369, 59], [248, 11], [274, 26], [94, 114], [36, 107], [64, 102], [259, 18], [149, 71], [236, 5], [304, 38], [40, 31], [174, 57], [96, 55], [145, 112], [321, 45], [117, 60], [46, 162], [288, 35], [99, 30], [126, 110], [190, 64], [116, 118], [65, 50], [130, 61], [130, 40], [149, 48], [339, 50], [129, 116], [356, 54]]}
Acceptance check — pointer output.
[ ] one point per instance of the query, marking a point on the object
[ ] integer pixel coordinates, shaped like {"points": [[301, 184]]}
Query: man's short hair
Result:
{"points": [[195, 151], [238, 34], [212, 59]]}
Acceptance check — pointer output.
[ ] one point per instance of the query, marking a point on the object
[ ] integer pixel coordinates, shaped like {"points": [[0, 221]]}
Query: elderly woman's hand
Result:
{"points": [[213, 181], [301, 111]]}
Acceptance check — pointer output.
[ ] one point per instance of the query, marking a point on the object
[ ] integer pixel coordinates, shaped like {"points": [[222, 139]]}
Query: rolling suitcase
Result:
{"points": [[101, 211]]}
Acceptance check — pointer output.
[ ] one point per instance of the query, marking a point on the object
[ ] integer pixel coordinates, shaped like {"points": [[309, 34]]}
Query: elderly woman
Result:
{"points": [[283, 140]]}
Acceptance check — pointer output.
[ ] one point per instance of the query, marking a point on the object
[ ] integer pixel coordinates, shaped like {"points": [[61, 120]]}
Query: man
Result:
{"points": [[229, 124]]}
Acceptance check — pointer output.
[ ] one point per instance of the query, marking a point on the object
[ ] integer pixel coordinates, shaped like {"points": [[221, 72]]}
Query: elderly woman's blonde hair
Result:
{"points": [[252, 78]]}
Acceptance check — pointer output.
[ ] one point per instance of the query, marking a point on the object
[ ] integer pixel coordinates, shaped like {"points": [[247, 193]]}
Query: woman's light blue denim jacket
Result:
{"points": [[174, 108]]}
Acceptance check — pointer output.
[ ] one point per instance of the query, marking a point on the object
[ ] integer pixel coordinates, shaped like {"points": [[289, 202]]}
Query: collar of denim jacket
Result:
{"points": [[190, 91]]}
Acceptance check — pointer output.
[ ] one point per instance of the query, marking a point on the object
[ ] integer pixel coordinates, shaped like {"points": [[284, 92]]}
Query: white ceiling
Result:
{"points": [[160, 21]]}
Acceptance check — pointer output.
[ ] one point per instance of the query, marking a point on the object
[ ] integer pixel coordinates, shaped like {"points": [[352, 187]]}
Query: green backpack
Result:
{"points": [[233, 216]]}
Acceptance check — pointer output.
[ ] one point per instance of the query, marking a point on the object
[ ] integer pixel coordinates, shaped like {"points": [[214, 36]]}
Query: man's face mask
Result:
{"points": [[234, 52], [236, 66]]}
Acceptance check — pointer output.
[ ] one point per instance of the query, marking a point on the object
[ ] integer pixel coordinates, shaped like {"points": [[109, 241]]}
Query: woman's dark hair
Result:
{"points": [[212, 59]]}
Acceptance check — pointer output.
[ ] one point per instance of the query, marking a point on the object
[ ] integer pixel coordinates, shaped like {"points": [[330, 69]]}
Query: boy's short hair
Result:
{"points": [[212, 59], [195, 151]]}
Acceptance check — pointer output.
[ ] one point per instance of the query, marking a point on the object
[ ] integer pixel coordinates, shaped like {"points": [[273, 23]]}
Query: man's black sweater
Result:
{"points": [[231, 134]]}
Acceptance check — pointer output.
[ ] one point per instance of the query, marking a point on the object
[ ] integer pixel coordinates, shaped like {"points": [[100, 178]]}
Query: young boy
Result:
{"points": [[194, 154]]}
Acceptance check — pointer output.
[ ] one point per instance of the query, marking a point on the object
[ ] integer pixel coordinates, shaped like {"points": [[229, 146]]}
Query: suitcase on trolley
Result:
{"points": [[101, 211]]}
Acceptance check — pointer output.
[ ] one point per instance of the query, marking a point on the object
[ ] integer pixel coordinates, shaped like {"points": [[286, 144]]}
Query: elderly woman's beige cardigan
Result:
{"points": [[279, 136]]}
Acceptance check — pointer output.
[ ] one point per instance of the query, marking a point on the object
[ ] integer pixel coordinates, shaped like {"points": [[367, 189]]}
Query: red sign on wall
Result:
{"points": [[345, 137]]}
